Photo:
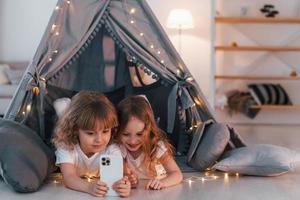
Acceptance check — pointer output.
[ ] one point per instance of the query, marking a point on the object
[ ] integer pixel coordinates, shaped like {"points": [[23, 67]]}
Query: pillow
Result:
{"points": [[24, 158], [3, 76], [208, 144], [269, 94], [259, 160], [14, 75], [60, 105]]}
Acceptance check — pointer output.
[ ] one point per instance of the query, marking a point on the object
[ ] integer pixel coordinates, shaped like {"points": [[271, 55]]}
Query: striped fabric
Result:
{"points": [[272, 94]]}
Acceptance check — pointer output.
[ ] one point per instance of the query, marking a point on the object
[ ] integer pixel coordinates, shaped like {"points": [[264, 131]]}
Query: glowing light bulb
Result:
{"points": [[57, 33], [132, 11], [57, 7], [202, 179], [28, 108], [68, 2], [197, 101], [23, 113], [151, 46], [50, 59], [237, 174], [196, 126], [55, 181], [226, 176], [131, 21], [141, 34], [162, 61], [190, 78], [158, 52], [53, 27], [55, 51]]}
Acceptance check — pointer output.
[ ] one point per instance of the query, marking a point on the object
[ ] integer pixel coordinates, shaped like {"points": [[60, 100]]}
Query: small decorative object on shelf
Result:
{"points": [[234, 44], [244, 11], [293, 73], [269, 10]]}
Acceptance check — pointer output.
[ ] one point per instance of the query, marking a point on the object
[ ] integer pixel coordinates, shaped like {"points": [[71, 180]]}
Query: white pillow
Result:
{"points": [[60, 105], [259, 160], [3, 76]]}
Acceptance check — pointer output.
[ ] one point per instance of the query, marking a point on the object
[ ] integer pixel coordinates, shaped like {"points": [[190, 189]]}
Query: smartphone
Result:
{"points": [[111, 170]]}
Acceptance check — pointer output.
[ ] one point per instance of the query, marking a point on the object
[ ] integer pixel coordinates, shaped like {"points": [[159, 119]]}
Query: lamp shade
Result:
{"points": [[180, 19]]}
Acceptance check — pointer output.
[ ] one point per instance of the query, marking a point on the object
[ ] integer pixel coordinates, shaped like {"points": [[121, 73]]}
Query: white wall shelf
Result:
{"points": [[232, 44]]}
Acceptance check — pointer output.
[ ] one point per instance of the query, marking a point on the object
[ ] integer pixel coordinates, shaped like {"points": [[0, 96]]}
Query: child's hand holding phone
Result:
{"points": [[122, 187], [98, 188]]}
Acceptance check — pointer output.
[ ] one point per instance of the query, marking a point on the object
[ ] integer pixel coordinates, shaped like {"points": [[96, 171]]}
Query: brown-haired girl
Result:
{"points": [[144, 146], [82, 134]]}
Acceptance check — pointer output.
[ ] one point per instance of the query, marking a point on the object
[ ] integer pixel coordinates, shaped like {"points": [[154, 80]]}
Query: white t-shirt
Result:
{"points": [[85, 166], [139, 168]]}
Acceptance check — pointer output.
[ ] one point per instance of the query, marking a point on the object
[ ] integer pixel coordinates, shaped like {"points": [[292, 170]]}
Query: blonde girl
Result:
{"points": [[147, 153], [82, 134]]}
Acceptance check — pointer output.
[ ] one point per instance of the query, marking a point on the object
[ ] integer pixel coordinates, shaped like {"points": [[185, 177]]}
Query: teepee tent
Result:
{"points": [[114, 46], [88, 45]]}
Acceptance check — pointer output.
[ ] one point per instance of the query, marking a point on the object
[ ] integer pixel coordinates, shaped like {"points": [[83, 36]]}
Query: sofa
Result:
{"points": [[10, 76]]}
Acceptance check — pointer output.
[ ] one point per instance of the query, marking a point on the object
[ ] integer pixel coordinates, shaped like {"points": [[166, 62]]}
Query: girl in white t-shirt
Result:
{"points": [[82, 134], [147, 153]]}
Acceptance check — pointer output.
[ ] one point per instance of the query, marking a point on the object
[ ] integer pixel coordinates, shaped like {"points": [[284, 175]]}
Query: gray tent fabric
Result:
{"points": [[72, 29], [89, 45]]}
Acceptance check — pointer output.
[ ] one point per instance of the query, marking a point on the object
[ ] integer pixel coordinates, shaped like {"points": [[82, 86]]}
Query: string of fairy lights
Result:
{"points": [[56, 178], [132, 12], [210, 176], [132, 21]]}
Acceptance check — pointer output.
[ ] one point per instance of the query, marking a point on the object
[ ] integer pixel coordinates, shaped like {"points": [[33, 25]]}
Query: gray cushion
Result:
{"points": [[208, 144], [25, 159], [259, 160]]}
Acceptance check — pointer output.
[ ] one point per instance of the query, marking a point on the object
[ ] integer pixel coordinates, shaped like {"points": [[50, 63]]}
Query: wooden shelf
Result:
{"points": [[227, 77], [272, 107], [258, 20], [256, 48]]}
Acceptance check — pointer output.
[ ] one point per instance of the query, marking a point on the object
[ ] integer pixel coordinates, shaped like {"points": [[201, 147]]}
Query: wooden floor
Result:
{"points": [[193, 187]]}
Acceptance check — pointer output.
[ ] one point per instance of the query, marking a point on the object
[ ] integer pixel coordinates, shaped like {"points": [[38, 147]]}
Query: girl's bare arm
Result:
{"points": [[73, 181]]}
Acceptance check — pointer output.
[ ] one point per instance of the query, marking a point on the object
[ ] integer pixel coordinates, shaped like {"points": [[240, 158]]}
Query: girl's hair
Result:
{"points": [[87, 110], [139, 107]]}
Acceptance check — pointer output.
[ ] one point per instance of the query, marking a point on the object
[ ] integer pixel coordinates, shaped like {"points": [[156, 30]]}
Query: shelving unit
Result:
{"points": [[276, 107], [256, 48], [257, 20], [228, 77], [240, 47]]}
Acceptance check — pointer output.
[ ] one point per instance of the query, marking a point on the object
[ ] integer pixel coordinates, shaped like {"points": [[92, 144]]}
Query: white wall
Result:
{"points": [[22, 25]]}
